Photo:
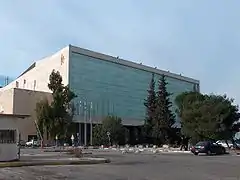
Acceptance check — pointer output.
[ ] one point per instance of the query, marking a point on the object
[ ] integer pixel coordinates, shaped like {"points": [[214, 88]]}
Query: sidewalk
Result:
{"points": [[236, 152]]}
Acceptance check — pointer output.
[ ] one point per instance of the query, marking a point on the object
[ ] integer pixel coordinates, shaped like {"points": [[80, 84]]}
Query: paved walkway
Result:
{"points": [[136, 167]]}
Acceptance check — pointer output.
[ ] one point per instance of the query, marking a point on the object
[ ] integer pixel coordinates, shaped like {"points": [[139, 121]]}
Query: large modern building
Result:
{"points": [[104, 85]]}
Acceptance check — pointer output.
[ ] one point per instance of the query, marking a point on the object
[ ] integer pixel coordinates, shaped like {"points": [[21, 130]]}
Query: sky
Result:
{"points": [[197, 38]]}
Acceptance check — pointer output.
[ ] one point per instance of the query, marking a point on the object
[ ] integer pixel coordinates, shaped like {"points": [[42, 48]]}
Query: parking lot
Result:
{"points": [[165, 166]]}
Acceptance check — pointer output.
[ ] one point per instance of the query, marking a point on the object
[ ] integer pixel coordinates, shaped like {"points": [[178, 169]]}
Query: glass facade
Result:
{"points": [[113, 88]]}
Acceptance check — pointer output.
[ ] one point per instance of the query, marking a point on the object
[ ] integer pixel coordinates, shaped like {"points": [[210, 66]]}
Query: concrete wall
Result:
{"points": [[22, 102], [15, 122], [36, 77], [29, 99], [9, 151], [6, 101], [21, 95]]}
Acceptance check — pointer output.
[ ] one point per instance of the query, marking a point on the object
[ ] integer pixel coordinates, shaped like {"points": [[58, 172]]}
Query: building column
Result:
{"points": [[91, 133], [79, 134], [85, 133]]}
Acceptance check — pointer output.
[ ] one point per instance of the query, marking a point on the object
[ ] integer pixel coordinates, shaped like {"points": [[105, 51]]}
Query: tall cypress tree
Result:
{"points": [[150, 104], [164, 117]]}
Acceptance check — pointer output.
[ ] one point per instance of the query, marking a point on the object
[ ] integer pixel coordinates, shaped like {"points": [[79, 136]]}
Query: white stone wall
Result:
{"points": [[8, 121], [37, 78], [6, 101]]}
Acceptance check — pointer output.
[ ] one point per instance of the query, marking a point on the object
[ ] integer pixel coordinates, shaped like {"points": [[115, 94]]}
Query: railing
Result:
{"points": [[8, 136]]}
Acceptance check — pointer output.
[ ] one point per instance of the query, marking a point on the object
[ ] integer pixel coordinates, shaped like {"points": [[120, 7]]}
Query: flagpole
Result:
{"points": [[80, 125], [91, 125], [85, 123]]}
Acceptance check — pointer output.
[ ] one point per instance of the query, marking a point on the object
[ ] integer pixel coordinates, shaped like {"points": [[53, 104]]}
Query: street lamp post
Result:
{"points": [[78, 139], [56, 138], [72, 138], [87, 119], [109, 139]]}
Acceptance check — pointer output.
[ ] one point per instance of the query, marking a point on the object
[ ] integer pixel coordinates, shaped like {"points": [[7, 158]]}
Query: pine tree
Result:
{"points": [[150, 104], [56, 118], [163, 114], [62, 109]]}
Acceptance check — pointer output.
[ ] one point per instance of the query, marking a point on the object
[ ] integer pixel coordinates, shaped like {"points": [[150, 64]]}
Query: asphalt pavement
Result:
{"points": [[137, 167]]}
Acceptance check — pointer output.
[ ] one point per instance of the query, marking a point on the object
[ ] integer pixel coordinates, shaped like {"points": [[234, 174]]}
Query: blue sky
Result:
{"points": [[197, 38]]}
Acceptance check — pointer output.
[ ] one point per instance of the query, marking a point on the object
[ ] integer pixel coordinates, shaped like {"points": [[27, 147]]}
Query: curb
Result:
{"points": [[172, 152], [54, 163], [64, 151], [180, 152], [56, 150]]}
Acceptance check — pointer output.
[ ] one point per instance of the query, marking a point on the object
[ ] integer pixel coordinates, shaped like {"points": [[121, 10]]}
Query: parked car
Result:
{"points": [[22, 143], [224, 144], [33, 143], [208, 147], [236, 144]]}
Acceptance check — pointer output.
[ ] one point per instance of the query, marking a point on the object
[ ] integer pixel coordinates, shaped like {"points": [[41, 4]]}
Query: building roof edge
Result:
{"points": [[117, 60]]}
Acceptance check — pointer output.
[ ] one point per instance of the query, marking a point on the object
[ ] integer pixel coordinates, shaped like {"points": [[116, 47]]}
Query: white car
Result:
{"points": [[32, 143], [224, 144]]}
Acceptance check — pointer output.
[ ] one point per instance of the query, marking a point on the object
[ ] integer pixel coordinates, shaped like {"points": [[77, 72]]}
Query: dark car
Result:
{"points": [[236, 144], [21, 143], [208, 147]]}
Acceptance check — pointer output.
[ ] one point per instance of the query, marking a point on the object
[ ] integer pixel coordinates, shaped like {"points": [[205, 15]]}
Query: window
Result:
{"points": [[62, 59], [24, 83], [7, 136], [117, 91], [34, 84], [17, 84]]}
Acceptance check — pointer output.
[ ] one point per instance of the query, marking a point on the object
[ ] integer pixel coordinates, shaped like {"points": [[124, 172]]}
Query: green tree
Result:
{"points": [[150, 104], [236, 127], [164, 117], [113, 125], [185, 99], [206, 116], [98, 137], [44, 116], [60, 112]]}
